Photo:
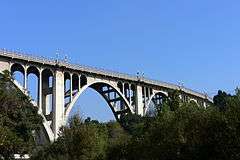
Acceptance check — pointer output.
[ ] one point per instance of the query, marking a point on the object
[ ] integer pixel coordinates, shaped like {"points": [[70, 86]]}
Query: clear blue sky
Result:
{"points": [[189, 41]]}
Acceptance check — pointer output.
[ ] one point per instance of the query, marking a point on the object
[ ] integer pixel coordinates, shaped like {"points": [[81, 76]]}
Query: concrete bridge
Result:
{"points": [[60, 84]]}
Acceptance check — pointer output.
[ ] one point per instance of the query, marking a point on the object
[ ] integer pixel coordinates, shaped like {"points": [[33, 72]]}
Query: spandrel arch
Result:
{"points": [[18, 73], [33, 74]]}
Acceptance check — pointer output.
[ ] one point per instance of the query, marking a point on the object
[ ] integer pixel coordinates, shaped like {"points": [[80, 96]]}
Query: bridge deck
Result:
{"points": [[103, 72]]}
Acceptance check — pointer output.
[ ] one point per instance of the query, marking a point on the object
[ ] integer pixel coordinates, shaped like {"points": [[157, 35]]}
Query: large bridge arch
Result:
{"points": [[112, 95]]}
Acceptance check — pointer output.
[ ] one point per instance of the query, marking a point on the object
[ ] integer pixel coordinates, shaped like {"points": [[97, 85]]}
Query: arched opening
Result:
{"points": [[113, 99], [91, 104], [75, 84], [193, 102], [33, 83], [47, 92], [83, 80], [67, 88], [155, 104], [17, 72]]}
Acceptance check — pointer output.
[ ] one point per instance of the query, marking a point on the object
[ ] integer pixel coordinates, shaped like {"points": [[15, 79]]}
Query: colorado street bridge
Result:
{"points": [[60, 84]]}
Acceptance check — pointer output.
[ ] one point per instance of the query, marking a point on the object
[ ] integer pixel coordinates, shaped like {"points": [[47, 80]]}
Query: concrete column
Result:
{"points": [[123, 90], [40, 91], [145, 96], [71, 87], [25, 78], [58, 102], [79, 82], [149, 93], [139, 100]]}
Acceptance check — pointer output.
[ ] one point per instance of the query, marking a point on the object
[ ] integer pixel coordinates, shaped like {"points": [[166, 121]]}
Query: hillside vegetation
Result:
{"points": [[176, 131], [19, 120]]}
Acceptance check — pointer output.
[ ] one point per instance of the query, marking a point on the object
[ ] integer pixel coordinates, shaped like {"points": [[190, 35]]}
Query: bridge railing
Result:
{"points": [[26, 56], [62, 62]]}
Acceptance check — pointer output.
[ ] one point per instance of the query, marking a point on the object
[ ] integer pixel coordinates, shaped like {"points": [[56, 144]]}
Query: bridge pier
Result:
{"points": [[58, 102], [139, 100]]}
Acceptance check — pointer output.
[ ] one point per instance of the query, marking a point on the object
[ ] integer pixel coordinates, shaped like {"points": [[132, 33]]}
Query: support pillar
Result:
{"points": [[139, 100], [58, 102], [45, 94], [79, 83], [25, 78], [123, 90], [40, 91], [149, 94], [71, 87]]}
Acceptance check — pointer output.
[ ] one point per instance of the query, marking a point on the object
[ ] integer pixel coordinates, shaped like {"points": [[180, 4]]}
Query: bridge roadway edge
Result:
{"points": [[101, 72]]}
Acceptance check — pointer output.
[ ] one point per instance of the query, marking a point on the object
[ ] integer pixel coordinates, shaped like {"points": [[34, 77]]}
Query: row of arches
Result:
{"points": [[147, 92], [39, 85], [157, 100], [150, 99], [73, 82], [72, 85], [119, 96]]}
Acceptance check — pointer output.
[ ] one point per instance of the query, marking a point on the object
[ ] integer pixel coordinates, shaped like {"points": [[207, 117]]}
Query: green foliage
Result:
{"points": [[188, 132], [18, 120], [179, 131], [220, 100], [77, 141], [117, 141], [133, 124], [174, 100]]}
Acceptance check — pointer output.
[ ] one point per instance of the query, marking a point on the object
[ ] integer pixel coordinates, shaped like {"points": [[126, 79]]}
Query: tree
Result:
{"points": [[185, 132], [174, 100], [77, 141], [220, 100], [18, 120], [134, 124]]}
